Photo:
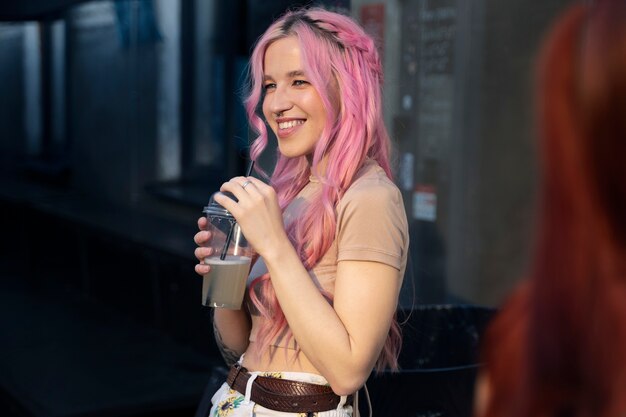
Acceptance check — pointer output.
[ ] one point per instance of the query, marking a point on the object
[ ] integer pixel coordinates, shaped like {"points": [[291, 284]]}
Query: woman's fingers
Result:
{"points": [[202, 223], [236, 187], [240, 186], [202, 269], [201, 252], [253, 185], [256, 210], [202, 237], [249, 192]]}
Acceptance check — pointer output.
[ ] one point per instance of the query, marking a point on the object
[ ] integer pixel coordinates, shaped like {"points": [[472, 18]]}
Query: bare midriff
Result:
{"points": [[277, 359]]}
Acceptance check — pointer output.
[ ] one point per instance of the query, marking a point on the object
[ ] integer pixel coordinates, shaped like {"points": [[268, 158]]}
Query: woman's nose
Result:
{"points": [[280, 101]]}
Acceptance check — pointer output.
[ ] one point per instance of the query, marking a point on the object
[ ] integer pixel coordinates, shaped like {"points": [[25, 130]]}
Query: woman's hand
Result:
{"points": [[231, 328], [257, 212], [202, 251]]}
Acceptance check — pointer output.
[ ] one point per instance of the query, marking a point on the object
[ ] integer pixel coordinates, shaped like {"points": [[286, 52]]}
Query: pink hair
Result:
{"points": [[340, 59]]}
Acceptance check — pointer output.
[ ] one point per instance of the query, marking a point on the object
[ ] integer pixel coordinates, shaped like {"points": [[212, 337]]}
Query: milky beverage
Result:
{"points": [[225, 284]]}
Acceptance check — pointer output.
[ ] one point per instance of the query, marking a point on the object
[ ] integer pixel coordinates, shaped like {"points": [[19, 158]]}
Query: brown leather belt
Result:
{"points": [[284, 394]]}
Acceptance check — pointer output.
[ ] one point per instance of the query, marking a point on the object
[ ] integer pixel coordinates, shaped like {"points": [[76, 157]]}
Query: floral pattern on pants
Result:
{"points": [[228, 405]]}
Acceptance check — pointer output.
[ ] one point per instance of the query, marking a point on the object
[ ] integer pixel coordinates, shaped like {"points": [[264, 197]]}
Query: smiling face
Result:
{"points": [[292, 106]]}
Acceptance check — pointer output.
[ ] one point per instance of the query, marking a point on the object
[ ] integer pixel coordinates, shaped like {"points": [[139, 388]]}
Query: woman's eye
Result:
{"points": [[298, 83], [269, 86]]}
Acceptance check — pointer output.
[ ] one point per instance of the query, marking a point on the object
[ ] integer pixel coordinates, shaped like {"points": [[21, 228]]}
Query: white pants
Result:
{"points": [[230, 403]]}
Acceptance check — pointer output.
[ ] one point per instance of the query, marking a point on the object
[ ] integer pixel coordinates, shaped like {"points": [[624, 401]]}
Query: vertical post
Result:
{"points": [[45, 71], [187, 93], [232, 11]]}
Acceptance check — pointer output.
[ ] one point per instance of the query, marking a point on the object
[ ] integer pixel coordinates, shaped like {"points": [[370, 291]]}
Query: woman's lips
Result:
{"points": [[288, 127]]}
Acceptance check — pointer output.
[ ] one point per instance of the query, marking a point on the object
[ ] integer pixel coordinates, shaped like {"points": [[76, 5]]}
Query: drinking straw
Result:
{"points": [[232, 224], [228, 238], [249, 170]]}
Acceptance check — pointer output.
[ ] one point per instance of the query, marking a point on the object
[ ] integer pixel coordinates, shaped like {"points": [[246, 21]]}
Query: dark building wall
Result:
{"points": [[501, 176], [12, 138], [464, 120], [113, 114]]}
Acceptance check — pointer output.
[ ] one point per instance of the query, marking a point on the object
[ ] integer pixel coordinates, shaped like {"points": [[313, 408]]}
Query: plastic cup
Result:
{"points": [[225, 284]]}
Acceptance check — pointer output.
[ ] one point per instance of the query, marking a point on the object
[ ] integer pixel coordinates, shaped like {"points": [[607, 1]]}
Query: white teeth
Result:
{"points": [[291, 123]]}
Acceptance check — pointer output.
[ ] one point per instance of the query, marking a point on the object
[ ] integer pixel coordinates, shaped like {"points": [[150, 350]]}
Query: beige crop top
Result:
{"points": [[371, 226]]}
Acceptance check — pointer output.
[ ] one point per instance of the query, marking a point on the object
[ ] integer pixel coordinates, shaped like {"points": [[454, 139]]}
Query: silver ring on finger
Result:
{"points": [[245, 184]]}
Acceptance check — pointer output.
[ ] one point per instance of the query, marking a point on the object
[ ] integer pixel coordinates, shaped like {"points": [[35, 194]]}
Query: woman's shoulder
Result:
{"points": [[371, 182], [371, 220]]}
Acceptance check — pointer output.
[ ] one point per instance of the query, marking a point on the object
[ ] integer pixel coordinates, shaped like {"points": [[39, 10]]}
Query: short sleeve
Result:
{"points": [[372, 224]]}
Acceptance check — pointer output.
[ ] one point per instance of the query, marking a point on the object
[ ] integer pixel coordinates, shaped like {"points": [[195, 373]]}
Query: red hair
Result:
{"points": [[559, 346]]}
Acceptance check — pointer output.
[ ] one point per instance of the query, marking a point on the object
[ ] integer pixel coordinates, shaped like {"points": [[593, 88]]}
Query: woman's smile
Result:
{"points": [[288, 126]]}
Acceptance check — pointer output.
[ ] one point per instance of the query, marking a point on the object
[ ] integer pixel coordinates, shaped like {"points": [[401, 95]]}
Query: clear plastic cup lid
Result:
{"points": [[216, 209]]}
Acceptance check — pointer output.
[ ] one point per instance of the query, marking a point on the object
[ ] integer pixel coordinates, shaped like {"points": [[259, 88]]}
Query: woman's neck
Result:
{"points": [[320, 169]]}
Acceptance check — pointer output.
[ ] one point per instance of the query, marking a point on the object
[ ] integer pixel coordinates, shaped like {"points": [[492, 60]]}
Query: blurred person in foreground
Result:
{"points": [[330, 228], [558, 348]]}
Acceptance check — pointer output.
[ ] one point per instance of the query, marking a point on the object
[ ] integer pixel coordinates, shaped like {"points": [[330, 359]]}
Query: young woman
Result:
{"points": [[330, 229], [558, 347]]}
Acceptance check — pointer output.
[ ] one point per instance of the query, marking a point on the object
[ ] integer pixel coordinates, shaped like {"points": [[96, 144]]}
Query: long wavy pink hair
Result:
{"points": [[342, 63]]}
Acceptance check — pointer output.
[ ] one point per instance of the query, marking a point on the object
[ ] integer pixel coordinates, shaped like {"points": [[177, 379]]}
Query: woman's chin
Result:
{"points": [[286, 152]]}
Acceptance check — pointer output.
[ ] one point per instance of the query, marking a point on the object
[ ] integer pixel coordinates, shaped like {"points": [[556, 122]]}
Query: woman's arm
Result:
{"points": [[231, 328], [343, 340]]}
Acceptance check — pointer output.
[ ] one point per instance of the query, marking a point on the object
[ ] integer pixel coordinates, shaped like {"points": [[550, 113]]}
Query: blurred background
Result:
{"points": [[118, 119]]}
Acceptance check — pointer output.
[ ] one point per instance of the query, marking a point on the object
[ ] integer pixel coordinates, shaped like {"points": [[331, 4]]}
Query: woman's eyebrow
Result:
{"points": [[290, 74], [295, 73]]}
